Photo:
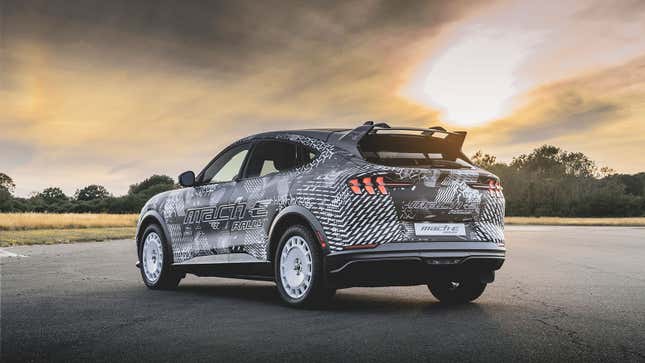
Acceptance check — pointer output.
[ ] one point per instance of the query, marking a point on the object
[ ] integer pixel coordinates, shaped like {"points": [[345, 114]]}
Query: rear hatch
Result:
{"points": [[437, 192]]}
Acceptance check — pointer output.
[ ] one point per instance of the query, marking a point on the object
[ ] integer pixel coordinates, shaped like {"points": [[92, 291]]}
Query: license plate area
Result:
{"points": [[439, 229]]}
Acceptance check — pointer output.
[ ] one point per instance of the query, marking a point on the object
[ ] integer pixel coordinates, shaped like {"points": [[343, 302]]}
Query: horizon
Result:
{"points": [[112, 93]]}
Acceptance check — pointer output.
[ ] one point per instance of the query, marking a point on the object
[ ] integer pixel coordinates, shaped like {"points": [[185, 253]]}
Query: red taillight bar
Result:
{"points": [[355, 186], [367, 184], [372, 185], [380, 184], [492, 185]]}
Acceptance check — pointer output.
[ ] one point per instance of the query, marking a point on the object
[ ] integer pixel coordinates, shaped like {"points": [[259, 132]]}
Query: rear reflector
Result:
{"points": [[321, 239]]}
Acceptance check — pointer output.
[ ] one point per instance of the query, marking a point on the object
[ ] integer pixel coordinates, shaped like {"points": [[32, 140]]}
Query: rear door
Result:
{"points": [[264, 186]]}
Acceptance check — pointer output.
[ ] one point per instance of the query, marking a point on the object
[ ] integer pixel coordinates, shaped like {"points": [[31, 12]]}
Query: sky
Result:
{"points": [[111, 92]]}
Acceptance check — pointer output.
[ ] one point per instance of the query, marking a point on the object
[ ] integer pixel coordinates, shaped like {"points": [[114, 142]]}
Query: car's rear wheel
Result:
{"points": [[298, 268], [155, 265], [458, 291]]}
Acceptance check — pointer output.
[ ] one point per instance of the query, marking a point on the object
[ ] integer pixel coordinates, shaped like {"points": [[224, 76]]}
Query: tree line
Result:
{"points": [[546, 182], [552, 182], [90, 199]]}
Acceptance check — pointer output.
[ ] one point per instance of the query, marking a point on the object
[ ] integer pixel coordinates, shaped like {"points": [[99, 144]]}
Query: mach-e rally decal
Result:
{"points": [[228, 212]]}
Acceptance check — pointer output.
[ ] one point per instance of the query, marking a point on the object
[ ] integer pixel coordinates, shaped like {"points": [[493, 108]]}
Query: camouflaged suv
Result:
{"points": [[322, 209]]}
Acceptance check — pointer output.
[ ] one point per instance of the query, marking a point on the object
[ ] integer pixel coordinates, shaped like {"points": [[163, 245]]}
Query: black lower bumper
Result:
{"points": [[413, 263]]}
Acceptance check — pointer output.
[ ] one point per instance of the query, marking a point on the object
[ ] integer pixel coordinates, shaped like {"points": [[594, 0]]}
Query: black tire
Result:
{"points": [[317, 293], [457, 292], [168, 279]]}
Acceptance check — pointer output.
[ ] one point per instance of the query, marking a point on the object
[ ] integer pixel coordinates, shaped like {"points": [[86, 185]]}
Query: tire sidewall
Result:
{"points": [[469, 290], [317, 276], [167, 256]]}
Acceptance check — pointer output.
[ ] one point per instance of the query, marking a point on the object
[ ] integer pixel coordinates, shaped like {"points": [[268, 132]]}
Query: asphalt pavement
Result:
{"points": [[564, 293]]}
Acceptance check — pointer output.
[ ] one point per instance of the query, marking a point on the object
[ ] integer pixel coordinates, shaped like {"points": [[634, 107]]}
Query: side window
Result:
{"points": [[227, 166], [271, 157], [306, 155]]}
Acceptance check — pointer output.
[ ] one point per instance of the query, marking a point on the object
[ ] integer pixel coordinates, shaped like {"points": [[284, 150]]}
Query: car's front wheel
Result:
{"points": [[457, 291], [298, 268], [155, 265]]}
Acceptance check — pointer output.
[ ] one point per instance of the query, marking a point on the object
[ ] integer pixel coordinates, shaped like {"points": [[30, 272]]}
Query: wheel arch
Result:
{"points": [[287, 217], [151, 217]]}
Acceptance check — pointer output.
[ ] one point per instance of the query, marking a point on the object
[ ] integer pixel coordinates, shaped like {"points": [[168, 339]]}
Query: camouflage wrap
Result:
{"points": [[236, 217]]}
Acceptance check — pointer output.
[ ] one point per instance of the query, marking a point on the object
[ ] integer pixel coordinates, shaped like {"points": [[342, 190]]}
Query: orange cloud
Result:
{"points": [[112, 95]]}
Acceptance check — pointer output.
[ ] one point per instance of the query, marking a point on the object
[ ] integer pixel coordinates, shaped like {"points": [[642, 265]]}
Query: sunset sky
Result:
{"points": [[110, 92]]}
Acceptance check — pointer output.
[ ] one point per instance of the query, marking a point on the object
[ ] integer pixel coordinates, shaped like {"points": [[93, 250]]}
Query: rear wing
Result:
{"points": [[350, 141]]}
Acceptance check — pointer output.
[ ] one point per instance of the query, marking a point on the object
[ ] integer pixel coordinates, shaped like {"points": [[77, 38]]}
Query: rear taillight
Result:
{"points": [[380, 184], [355, 186], [367, 184], [492, 185], [372, 185]]}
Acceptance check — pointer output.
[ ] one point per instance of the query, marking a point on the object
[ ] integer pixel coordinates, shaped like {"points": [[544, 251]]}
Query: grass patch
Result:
{"points": [[18, 229], [53, 236], [558, 221], [30, 221]]}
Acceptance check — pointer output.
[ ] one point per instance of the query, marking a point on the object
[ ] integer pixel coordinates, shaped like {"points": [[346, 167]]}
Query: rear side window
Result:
{"points": [[412, 150], [269, 157]]}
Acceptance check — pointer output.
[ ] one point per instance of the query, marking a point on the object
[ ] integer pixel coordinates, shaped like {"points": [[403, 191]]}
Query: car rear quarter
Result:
{"points": [[388, 222]]}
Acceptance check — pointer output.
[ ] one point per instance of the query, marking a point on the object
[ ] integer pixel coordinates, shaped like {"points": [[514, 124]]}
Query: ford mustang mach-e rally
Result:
{"points": [[322, 209]]}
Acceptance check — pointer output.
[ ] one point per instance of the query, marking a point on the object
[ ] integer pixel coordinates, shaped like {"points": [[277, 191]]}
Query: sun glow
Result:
{"points": [[473, 80]]}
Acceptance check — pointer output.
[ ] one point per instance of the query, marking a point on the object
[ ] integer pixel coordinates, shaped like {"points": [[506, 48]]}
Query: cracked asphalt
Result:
{"points": [[565, 293]]}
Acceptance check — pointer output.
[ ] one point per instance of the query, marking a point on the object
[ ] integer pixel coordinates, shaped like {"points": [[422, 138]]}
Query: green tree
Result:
{"points": [[139, 193], [551, 161], [155, 182], [6, 190], [484, 161], [6, 183], [52, 195], [91, 192]]}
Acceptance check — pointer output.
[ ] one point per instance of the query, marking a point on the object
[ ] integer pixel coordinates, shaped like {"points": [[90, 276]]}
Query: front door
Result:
{"points": [[214, 208]]}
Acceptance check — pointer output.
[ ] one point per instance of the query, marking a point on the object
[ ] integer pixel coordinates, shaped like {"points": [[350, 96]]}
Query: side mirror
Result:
{"points": [[187, 179]]}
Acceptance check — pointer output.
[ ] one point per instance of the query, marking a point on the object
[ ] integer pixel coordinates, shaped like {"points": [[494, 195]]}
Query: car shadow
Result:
{"points": [[346, 300], [265, 293]]}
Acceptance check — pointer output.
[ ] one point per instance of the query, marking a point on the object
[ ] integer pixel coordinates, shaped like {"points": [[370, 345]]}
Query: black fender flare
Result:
{"points": [[300, 211], [160, 221]]}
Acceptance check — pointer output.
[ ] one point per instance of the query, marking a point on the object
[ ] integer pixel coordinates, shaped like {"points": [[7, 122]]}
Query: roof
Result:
{"points": [[321, 134], [348, 139]]}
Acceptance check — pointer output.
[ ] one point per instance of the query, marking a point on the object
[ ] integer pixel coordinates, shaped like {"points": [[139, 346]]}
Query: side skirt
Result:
{"points": [[262, 271]]}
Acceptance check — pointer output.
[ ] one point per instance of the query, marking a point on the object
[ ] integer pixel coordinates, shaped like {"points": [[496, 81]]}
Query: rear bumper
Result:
{"points": [[413, 263]]}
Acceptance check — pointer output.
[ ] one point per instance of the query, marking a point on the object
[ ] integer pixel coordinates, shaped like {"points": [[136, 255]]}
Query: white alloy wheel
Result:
{"points": [[296, 267], [152, 257]]}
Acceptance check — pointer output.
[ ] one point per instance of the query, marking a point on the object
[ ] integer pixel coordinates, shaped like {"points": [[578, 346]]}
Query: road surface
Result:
{"points": [[565, 293]]}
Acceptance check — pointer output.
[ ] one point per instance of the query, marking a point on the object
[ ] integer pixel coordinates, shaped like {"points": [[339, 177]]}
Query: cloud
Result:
{"points": [[110, 92], [93, 86], [600, 113]]}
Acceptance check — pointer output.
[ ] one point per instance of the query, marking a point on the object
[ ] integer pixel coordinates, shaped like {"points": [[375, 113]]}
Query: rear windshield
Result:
{"points": [[413, 150]]}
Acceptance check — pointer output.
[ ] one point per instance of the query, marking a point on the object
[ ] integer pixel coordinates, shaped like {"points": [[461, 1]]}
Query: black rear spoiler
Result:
{"points": [[350, 140]]}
